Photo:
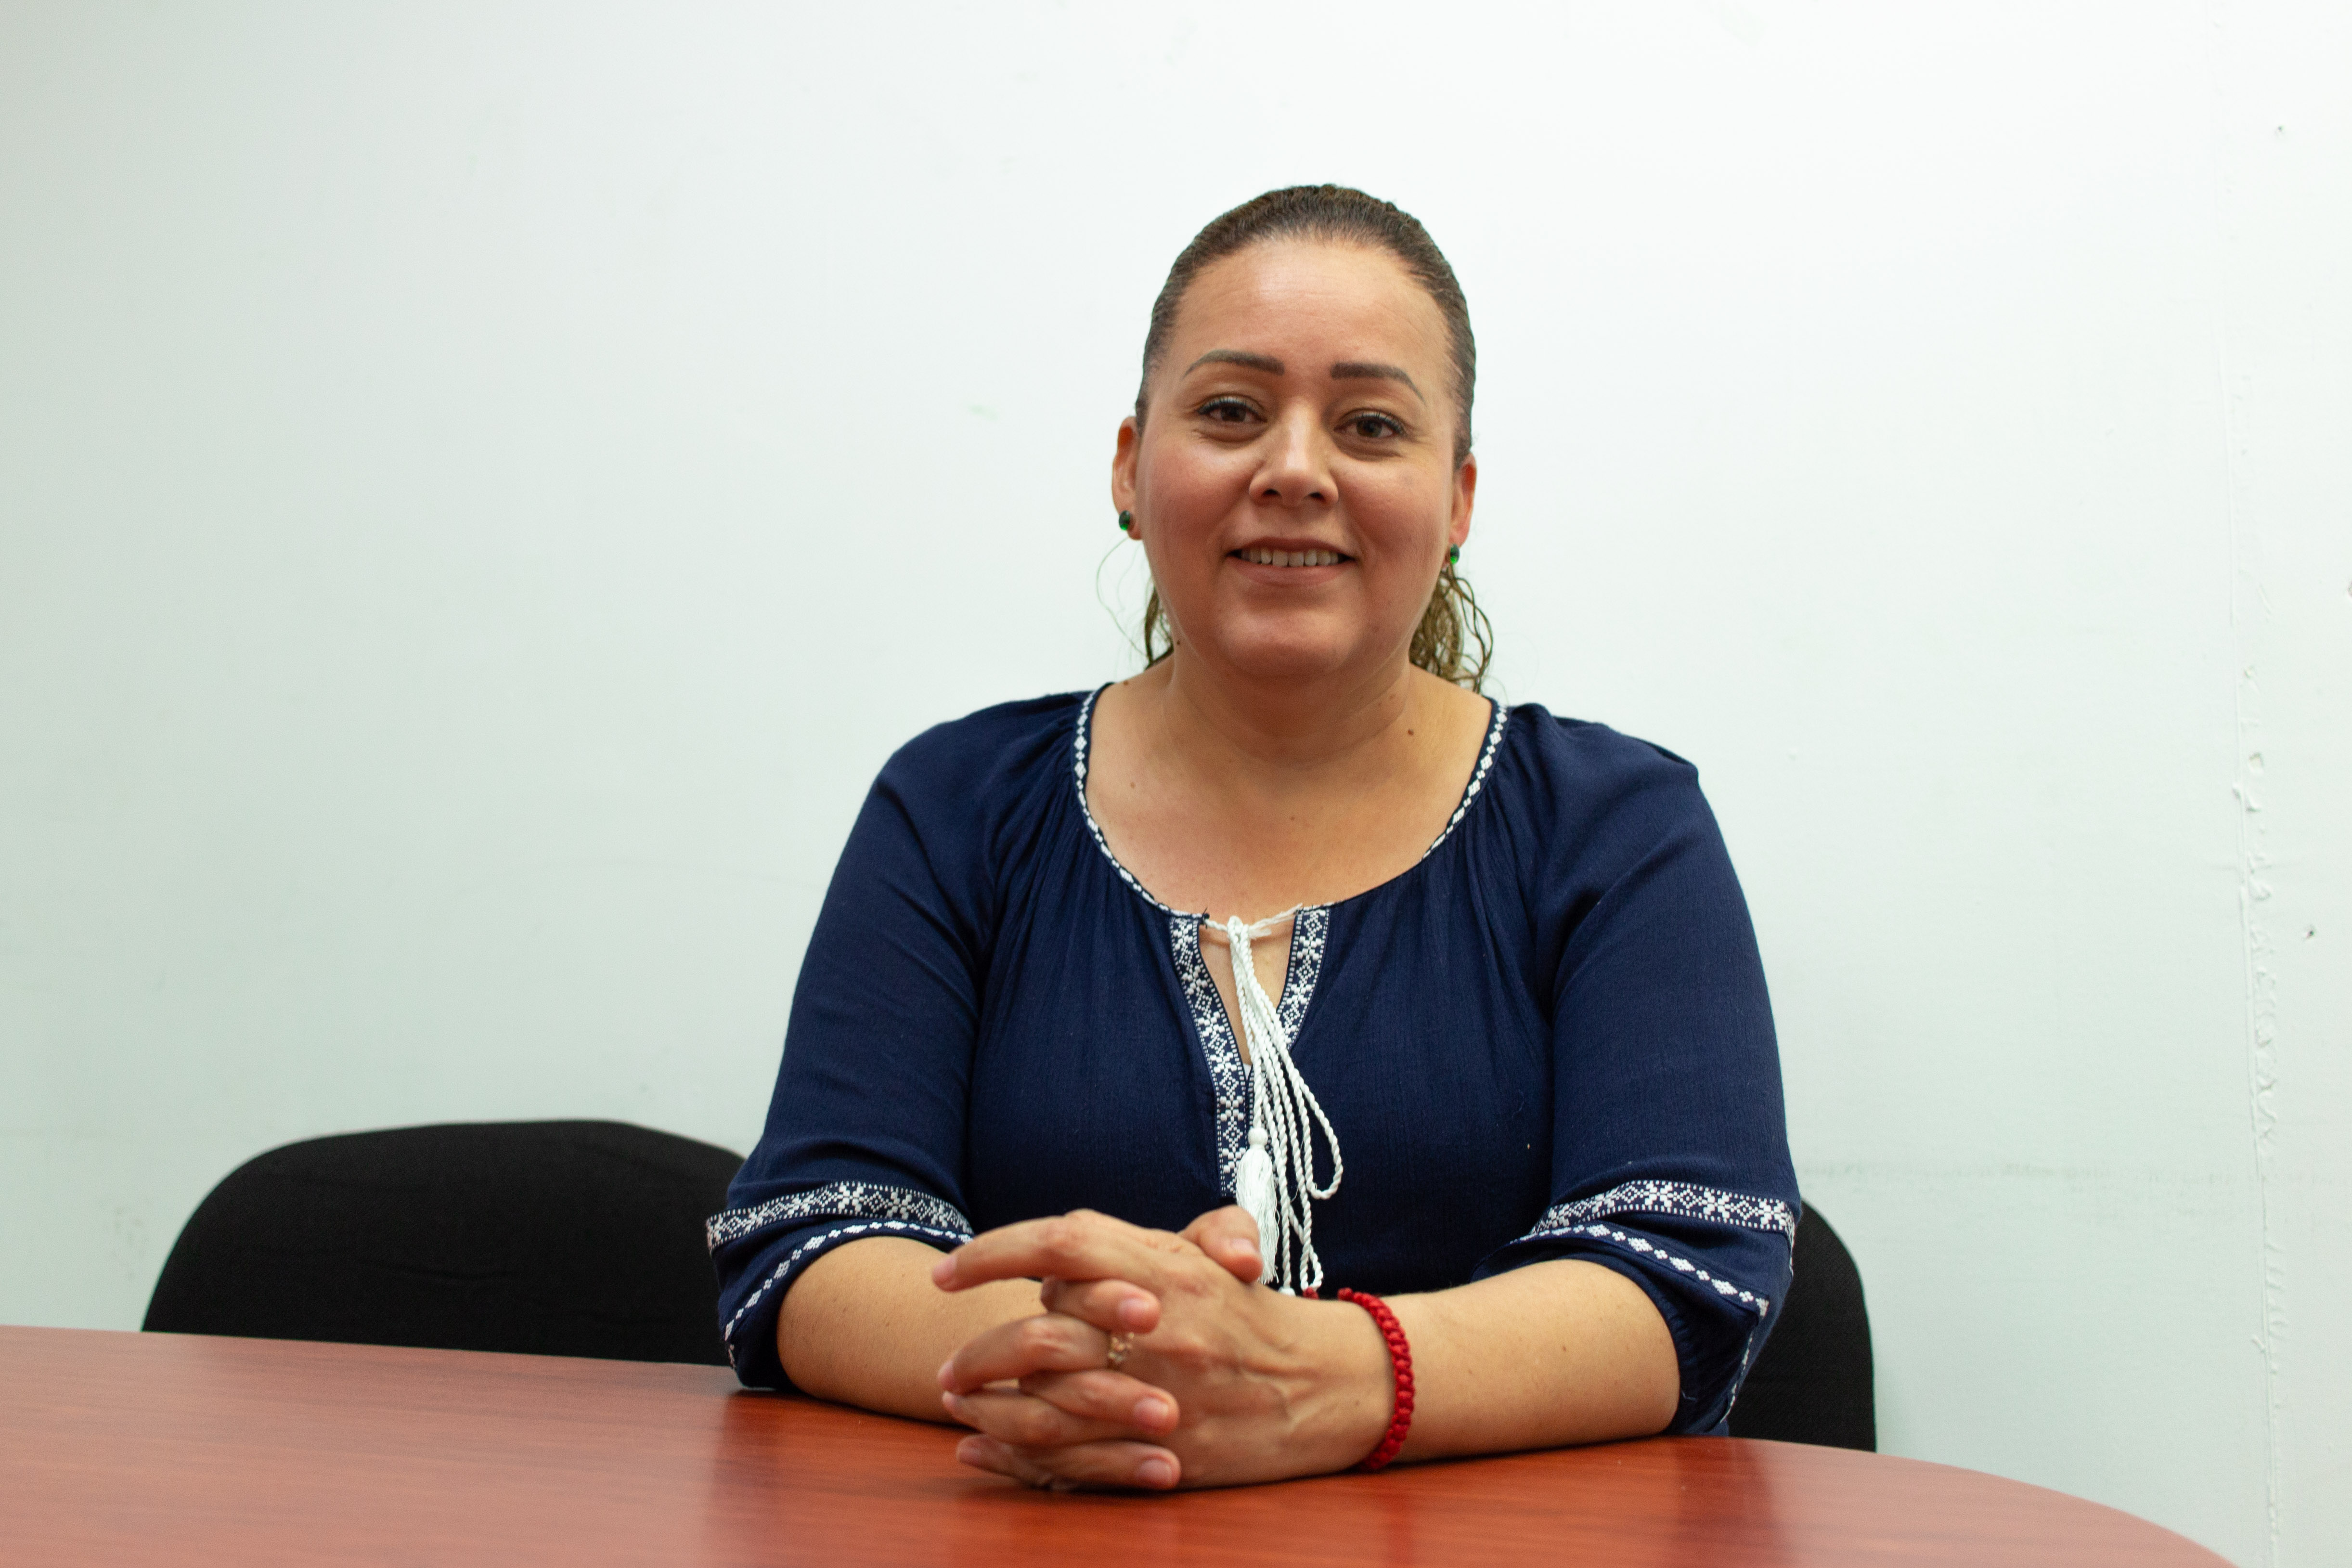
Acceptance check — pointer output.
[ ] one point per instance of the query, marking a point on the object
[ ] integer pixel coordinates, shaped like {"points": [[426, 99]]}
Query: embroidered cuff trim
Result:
{"points": [[840, 1200], [1645, 1246], [1679, 1199]]}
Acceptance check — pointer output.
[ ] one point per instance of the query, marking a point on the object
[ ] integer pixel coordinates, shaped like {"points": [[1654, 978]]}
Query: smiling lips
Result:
{"points": [[1291, 557]]}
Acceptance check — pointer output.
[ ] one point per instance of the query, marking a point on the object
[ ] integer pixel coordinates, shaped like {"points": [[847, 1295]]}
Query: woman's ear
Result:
{"points": [[1465, 492], [1122, 464]]}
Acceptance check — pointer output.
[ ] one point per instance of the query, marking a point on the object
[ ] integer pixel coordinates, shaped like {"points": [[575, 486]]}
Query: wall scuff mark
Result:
{"points": [[2249, 611]]}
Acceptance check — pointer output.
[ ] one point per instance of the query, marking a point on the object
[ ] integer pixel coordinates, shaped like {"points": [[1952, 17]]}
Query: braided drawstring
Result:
{"points": [[1276, 1179]]}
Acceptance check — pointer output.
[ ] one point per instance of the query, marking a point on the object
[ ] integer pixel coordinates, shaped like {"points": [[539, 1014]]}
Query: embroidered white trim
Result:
{"points": [[1759, 1305], [1081, 733], [1680, 1199], [1308, 934], [1477, 778], [844, 1200], [1228, 1078], [817, 1243]]}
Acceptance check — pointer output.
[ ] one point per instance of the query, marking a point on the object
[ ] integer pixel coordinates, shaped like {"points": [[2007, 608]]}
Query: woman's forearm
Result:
{"points": [[864, 1325], [1553, 1354]]}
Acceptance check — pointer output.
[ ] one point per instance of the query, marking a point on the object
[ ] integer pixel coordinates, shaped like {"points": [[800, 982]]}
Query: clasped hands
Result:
{"points": [[1223, 1381]]}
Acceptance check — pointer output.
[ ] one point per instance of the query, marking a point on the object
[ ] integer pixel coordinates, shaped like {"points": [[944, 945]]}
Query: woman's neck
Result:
{"points": [[1278, 730], [1243, 800]]}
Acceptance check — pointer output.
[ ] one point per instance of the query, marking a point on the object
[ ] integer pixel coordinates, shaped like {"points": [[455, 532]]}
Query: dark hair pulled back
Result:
{"points": [[1454, 641]]}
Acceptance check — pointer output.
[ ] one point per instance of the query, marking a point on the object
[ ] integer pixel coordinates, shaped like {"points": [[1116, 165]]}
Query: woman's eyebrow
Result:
{"points": [[1266, 362], [1364, 370], [1346, 369]]}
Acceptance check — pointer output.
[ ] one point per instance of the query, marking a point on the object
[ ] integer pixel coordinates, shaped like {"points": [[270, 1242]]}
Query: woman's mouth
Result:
{"points": [[1290, 557]]}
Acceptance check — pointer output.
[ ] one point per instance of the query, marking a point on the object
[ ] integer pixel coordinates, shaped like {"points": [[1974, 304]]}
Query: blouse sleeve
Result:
{"points": [[1669, 1159], [865, 1132]]}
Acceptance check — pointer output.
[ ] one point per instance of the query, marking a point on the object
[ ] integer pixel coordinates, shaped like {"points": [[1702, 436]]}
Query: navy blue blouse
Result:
{"points": [[1549, 1038]]}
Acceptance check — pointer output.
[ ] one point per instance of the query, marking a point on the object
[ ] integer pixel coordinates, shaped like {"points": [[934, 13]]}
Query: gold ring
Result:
{"points": [[1119, 1345]]}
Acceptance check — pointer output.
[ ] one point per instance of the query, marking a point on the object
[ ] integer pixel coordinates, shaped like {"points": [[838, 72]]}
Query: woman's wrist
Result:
{"points": [[1351, 1382]]}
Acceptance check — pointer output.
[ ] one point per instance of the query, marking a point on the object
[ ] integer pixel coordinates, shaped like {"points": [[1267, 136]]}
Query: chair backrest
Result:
{"points": [[1811, 1383], [555, 1238]]}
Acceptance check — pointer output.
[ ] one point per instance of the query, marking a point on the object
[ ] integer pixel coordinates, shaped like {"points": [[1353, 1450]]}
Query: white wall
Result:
{"points": [[481, 488]]}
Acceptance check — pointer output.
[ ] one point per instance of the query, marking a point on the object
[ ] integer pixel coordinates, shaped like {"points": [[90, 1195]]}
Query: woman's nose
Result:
{"points": [[1297, 464]]}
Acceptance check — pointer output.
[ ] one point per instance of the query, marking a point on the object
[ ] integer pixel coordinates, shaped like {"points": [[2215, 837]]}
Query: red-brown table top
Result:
{"points": [[121, 1447]]}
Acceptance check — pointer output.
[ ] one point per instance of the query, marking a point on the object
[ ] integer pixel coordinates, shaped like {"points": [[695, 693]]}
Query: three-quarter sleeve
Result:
{"points": [[1670, 1160], [865, 1132]]}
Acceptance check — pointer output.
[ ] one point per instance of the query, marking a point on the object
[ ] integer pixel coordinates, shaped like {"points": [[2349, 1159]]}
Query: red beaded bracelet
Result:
{"points": [[1399, 1357]]}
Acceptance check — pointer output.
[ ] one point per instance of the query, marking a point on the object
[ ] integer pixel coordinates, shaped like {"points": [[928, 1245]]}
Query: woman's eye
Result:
{"points": [[1230, 410], [1372, 427]]}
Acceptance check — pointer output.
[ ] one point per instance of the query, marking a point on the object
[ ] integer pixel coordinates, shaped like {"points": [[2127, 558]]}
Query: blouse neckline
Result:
{"points": [[1082, 737]]}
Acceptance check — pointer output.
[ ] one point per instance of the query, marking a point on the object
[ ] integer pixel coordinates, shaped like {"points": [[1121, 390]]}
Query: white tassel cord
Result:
{"points": [[1276, 1179]]}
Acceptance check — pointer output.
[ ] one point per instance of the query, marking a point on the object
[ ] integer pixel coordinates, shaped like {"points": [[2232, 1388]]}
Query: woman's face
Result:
{"points": [[1293, 479]]}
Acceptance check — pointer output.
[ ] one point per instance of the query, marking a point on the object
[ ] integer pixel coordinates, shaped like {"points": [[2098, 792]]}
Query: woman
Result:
{"points": [[1290, 964]]}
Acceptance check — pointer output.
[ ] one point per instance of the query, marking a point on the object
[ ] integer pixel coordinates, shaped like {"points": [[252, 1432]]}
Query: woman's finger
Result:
{"points": [[1113, 1398], [1230, 1236], [1107, 1464], [1113, 1306], [1029, 1421], [1080, 1245], [1051, 1342]]}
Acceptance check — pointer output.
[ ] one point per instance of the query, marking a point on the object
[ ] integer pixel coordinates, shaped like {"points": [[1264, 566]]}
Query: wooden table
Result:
{"points": [[125, 1448]]}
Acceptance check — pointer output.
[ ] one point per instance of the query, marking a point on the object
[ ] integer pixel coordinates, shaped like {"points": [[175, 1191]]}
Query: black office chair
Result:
{"points": [[1812, 1381], [555, 1238]]}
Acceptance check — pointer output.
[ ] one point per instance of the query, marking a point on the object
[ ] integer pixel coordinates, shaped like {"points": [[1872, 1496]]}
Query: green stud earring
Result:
{"points": [[1126, 522], [1453, 555]]}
